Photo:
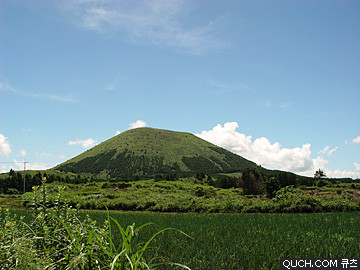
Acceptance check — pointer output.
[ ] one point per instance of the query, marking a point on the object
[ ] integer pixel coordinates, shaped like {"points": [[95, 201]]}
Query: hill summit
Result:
{"points": [[150, 151]]}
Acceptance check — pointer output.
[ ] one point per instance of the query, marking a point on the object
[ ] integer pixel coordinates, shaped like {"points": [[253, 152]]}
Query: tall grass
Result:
{"points": [[235, 241], [61, 238], [57, 238], [248, 241]]}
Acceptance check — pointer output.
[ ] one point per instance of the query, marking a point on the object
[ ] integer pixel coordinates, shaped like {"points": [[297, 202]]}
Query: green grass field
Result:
{"points": [[244, 241]]}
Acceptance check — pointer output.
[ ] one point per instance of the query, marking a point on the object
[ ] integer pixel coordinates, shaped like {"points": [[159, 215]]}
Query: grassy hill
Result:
{"points": [[149, 151]]}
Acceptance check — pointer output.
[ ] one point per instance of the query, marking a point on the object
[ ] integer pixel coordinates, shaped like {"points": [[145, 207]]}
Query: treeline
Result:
{"points": [[14, 182], [251, 181], [254, 182]]}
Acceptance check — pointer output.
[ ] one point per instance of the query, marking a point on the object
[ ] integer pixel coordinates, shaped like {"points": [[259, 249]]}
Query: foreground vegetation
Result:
{"points": [[250, 241], [240, 241], [56, 238]]}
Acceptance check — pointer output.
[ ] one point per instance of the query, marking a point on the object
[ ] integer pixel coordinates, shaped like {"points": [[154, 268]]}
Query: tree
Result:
{"points": [[252, 182], [319, 174], [272, 185]]}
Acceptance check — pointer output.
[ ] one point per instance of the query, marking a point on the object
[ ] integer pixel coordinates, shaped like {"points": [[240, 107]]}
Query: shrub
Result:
{"points": [[272, 185], [13, 191]]}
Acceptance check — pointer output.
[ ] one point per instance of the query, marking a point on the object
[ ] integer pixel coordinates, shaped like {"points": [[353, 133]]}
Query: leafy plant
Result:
{"points": [[58, 239]]}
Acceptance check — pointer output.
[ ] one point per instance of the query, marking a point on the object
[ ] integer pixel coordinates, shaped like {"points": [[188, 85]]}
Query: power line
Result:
{"points": [[15, 162]]}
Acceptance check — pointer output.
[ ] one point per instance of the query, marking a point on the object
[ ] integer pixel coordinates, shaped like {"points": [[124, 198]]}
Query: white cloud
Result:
{"points": [[109, 87], [43, 154], [333, 150], [323, 151], [266, 103], [357, 166], [356, 140], [137, 124], [38, 166], [113, 85], [273, 155], [154, 22], [22, 153], [286, 105], [221, 87], [51, 96], [118, 132], [261, 150], [5, 149], [84, 143], [62, 156], [341, 174], [328, 151], [15, 165], [19, 166], [4, 169]]}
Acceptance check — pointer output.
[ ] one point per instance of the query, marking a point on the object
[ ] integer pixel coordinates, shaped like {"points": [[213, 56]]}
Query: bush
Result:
{"points": [[272, 185], [12, 191]]}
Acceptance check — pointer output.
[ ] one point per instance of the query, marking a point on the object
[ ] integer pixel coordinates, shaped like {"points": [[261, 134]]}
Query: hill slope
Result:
{"points": [[149, 151]]}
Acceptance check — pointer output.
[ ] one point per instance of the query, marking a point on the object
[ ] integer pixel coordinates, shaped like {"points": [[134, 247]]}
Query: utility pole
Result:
{"points": [[24, 173]]}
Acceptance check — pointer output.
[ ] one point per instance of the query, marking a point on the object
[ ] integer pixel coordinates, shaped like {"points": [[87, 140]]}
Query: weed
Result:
{"points": [[57, 238]]}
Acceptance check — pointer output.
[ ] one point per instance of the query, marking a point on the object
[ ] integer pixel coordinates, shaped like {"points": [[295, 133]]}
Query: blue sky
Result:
{"points": [[274, 81]]}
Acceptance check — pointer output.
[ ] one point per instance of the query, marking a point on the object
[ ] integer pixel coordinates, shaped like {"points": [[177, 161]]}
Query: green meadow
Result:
{"points": [[249, 241], [199, 222], [240, 241]]}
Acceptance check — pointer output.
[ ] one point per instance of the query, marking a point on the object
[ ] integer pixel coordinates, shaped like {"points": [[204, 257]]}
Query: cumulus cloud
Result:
{"points": [[357, 166], [5, 149], [356, 140], [260, 150], [38, 166], [342, 174], [84, 143], [328, 151], [273, 155], [157, 23], [137, 124]]}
